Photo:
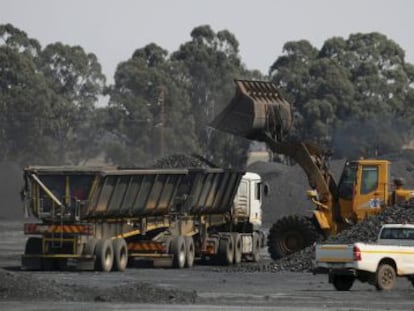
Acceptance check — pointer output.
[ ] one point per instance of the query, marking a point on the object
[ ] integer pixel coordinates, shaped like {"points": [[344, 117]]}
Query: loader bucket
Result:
{"points": [[256, 109]]}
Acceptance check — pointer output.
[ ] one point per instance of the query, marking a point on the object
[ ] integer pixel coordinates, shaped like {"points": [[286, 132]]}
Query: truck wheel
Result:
{"points": [[226, 250], [290, 234], [256, 247], [385, 277], [238, 248], [189, 251], [177, 249], [33, 246], [343, 282], [89, 248], [104, 253], [120, 254]]}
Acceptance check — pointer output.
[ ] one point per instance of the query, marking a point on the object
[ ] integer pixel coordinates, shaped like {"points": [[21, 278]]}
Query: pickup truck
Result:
{"points": [[378, 263]]}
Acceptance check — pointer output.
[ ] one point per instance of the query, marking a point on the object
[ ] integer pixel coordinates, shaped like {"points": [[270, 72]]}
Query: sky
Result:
{"points": [[114, 29]]}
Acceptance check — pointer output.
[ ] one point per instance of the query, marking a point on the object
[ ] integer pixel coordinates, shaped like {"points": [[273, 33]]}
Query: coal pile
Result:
{"points": [[182, 161], [365, 231]]}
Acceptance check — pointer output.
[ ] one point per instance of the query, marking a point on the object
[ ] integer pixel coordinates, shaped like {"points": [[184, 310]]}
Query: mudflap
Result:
{"points": [[163, 262], [31, 263], [82, 264]]}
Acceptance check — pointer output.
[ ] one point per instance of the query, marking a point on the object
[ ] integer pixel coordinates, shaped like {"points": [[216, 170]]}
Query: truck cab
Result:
{"points": [[248, 200], [365, 189]]}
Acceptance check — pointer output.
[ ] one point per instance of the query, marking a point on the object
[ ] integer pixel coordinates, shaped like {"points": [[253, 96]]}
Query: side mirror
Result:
{"points": [[266, 189]]}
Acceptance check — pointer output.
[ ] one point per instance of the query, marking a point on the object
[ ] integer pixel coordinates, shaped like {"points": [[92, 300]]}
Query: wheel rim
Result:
{"points": [[387, 277], [292, 242]]}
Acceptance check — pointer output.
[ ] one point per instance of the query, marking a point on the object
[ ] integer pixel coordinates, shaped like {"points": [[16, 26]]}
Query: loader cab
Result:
{"points": [[248, 200], [363, 188]]}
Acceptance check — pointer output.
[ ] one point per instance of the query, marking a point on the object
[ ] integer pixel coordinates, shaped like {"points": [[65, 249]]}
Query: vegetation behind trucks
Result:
{"points": [[102, 218], [259, 112]]}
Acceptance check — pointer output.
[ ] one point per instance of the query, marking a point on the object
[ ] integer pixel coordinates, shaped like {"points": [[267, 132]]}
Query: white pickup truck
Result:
{"points": [[376, 263]]}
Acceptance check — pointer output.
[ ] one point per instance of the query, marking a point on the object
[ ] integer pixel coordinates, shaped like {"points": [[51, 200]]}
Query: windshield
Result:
{"points": [[346, 183]]}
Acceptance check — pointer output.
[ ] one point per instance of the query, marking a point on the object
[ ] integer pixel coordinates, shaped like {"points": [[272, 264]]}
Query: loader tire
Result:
{"points": [[104, 255], [120, 254], [177, 249], [291, 234]]}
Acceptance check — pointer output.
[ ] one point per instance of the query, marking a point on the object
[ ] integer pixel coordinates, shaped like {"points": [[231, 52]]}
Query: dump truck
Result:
{"points": [[259, 112], [103, 218]]}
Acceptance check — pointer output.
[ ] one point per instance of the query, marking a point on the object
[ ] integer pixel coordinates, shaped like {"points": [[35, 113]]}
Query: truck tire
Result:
{"points": [[226, 250], [343, 282], [33, 246], [256, 247], [120, 254], [238, 248], [177, 249], [189, 251], [104, 253], [89, 248], [290, 234], [385, 277]]}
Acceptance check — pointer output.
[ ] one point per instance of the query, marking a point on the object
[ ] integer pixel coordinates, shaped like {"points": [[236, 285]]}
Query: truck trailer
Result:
{"points": [[102, 218]]}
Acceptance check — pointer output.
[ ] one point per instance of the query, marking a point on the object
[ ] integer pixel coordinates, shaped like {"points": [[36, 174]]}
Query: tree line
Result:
{"points": [[353, 95]]}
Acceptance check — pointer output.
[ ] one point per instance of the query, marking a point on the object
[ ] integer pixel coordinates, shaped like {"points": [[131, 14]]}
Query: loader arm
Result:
{"points": [[312, 161], [258, 112]]}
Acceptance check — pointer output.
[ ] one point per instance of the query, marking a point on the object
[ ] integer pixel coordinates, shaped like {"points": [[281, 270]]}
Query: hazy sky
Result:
{"points": [[113, 30]]}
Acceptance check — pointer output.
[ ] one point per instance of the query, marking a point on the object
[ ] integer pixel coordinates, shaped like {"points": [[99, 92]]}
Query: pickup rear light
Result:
{"points": [[357, 253]]}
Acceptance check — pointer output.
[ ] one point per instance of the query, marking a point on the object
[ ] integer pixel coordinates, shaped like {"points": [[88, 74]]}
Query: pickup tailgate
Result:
{"points": [[333, 256]]}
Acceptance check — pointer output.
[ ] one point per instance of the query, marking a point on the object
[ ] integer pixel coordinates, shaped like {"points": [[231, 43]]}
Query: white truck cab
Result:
{"points": [[248, 200]]}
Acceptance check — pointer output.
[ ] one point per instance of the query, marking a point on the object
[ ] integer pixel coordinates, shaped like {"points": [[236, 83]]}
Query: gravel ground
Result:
{"points": [[23, 286]]}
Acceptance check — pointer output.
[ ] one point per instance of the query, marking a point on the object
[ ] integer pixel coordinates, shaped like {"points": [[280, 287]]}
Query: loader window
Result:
{"points": [[369, 178], [347, 181]]}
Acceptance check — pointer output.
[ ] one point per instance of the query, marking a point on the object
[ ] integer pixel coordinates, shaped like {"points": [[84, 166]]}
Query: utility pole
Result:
{"points": [[161, 102]]}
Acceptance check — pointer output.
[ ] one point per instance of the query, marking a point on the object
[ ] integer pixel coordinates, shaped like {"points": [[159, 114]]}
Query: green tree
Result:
{"points": [[211, 61], [359, 80], [77, 80], [24, 99], [150, 109]]}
